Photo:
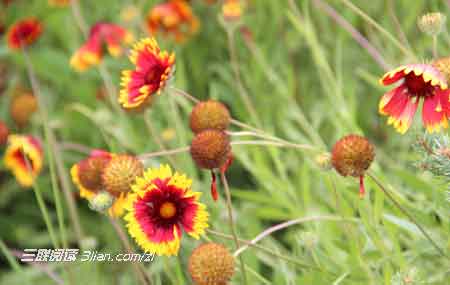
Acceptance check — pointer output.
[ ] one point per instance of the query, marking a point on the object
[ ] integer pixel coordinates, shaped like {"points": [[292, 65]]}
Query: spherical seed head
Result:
{"points": [[210, 149], [352, 155], [120, 173], [209, 114], [4, 132], [431, 23], [211, 264], [443, 65], [101, 201], [90, 172], [22, 107]]}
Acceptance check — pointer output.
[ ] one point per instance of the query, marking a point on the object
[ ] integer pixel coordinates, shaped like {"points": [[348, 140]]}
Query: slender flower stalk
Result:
{"points": [[55, 162], [264, 249], [357, 36], [382, 30], [237, 75], [137, 267], [285, 225], [405, 212], [164, 153], [13, 262], [224, 180]]}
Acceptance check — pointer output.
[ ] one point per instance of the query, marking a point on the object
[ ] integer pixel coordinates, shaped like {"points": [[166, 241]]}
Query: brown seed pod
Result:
{"points": [[120, 173], [22, 107], [209, 114], [4, 132], [210, 149], [352, 155], [90, 172], [211, 264]]}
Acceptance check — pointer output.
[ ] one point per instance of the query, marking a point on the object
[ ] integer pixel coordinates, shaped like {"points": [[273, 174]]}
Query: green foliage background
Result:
{"points": [[309, 81]]}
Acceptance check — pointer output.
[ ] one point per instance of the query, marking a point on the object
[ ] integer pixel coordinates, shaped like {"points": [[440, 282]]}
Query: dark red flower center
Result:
{"points": [[154, 73], [417, 85], [23, 159]]}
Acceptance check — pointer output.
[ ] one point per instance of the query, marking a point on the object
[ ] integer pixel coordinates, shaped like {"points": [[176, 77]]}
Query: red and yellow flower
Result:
{"points": [[153, 69], [160, 208], [24, 33], [101, 34], [174, 18], [24, 157], [420, 82]]}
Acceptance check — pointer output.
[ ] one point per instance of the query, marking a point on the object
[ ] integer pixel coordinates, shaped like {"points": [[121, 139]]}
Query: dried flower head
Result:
{"points": [[211, 264], [209, 114], [24, 33], [120, 173], [418, 82], [173, 18], [432, 23], [162, 206], [87, 173], [24, 157], [4, 132], [210, 149], [153, 68], [22, 107], [352, 156]]}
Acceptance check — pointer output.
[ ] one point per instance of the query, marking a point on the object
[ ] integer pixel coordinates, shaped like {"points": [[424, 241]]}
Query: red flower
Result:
{"points": [[419, 82], [102, 34], [153, 69], [24, 33], [160, 208], [173, 18]]}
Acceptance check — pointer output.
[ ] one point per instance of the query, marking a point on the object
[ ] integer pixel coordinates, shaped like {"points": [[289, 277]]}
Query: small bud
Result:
{"points": [[309, 239], [89, 242], [4, 132], [210, 149], [101, 201], [407, 277], [323, 160], [120, 173], [431, 23], [22, 107], [211, 264], [232, 10], [210, 114]]}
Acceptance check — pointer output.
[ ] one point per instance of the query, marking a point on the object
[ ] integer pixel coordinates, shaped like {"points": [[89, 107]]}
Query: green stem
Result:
{"points": [[405, 212], [224, 180], [382, 30]]}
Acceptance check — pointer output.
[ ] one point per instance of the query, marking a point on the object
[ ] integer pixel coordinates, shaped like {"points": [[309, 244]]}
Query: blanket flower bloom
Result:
{"points": [[419, 82], [174, 18], [153, 69], [24, 33], [24, 157], [101, 35], [161, 206]]}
